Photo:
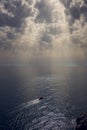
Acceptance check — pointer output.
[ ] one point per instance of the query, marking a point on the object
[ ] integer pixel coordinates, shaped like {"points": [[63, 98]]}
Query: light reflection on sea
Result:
{"points": [[63, 90]]}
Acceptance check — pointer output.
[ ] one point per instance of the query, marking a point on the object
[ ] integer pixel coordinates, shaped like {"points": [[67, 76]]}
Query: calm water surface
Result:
{"points": [[64, 89]]}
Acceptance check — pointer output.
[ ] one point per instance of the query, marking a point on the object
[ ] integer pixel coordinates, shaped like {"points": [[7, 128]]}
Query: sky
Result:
{"points": [[34, 28]]}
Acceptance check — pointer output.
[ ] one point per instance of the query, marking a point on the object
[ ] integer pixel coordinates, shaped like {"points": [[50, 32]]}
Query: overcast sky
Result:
{"points": [[34, 26]]}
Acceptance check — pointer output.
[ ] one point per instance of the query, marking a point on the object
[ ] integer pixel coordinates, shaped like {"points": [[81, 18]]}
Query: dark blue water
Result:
{"points": [[64, 89]]}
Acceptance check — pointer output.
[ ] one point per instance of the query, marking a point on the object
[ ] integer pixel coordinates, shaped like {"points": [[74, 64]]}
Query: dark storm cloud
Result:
{"points": [[66, 2], [76, 11], [45, 11], [28, 24], [75, 8], [18, 10], [13, 14], [17, 17]]}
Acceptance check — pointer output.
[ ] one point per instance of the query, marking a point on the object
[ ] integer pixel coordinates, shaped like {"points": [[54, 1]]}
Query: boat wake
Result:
{"points": [[26, 105]]}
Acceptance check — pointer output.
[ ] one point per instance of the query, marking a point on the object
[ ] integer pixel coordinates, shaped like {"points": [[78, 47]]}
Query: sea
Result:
{"points": [[63, 88]]}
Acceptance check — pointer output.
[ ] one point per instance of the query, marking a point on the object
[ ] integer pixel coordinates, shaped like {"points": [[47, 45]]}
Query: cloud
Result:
{"points": [[76, 12], [30, 27], [79, 33], [12, 21], [45, 11], [46, 22]]}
